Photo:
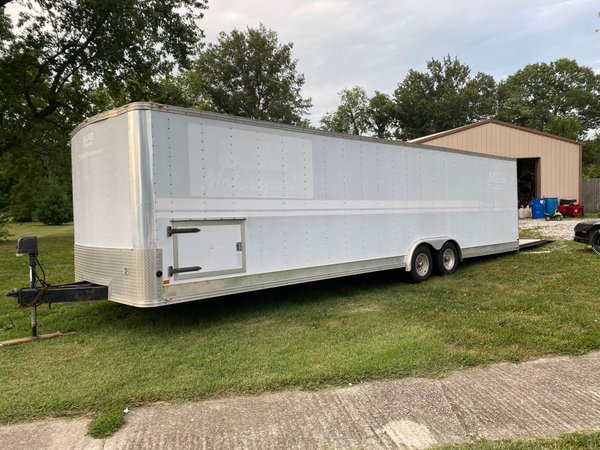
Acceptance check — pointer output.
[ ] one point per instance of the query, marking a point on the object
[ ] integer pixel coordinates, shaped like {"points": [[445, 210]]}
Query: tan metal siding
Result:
{"points": [[560, 169]]}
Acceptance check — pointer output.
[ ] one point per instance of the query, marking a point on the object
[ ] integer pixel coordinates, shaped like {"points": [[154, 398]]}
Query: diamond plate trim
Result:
{"points": [[130, 274]]}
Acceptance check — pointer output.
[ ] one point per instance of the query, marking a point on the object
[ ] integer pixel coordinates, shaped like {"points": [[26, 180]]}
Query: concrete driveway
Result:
{"points": [[545, 397]]}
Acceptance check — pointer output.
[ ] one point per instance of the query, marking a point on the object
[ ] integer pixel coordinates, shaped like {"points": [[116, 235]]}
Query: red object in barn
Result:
{"points": [[573, 209]]}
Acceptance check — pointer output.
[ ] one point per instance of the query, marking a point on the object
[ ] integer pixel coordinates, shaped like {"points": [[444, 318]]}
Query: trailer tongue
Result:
{"points": [[35, 295], [81, 291]]}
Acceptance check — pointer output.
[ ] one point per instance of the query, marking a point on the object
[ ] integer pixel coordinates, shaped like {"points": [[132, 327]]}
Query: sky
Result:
{"points": [[374, 43]]}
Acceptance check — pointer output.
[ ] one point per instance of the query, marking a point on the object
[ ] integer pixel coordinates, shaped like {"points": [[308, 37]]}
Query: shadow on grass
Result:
{"points": [[292, 304], [290, 301], [218, 311]]}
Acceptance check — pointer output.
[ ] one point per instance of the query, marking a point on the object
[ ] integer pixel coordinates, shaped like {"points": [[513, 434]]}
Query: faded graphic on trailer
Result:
{"points": [[245, 164]]}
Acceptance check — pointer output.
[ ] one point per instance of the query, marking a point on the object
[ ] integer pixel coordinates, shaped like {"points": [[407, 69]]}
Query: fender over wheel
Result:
{"points": [[447, 259], [421, 264]]}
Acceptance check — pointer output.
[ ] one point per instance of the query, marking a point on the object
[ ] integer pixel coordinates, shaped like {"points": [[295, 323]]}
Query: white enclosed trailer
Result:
{"points": [[173, 205]]}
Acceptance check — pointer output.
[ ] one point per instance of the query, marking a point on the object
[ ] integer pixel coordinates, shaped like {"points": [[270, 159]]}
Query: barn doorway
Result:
{"points": [[528, 180]]}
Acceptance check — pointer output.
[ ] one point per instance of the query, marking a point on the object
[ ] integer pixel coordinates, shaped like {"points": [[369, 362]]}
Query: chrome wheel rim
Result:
{"points": [[422, 264], [448, 259]]}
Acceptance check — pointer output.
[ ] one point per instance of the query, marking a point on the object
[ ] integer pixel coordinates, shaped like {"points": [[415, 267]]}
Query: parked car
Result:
{"points": [[588, 232]]}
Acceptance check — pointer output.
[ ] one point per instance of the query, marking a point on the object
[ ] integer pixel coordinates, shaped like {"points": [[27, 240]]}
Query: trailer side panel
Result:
{"points": [[228, 205]]}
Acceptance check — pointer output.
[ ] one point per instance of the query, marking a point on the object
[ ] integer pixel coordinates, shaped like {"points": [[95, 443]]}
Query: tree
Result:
{"points": [[358, 114], [75, 44], [250, 74], [5, 27], [445, 97], [382, 112], [591, 158], [561, 97], [57, 58], [52, 205], [4, 233], [352, 115]]}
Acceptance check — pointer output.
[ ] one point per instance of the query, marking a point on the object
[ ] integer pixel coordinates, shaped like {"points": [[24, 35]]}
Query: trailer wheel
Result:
{"points": [[446, 262], [595, 241], [421, 265]]}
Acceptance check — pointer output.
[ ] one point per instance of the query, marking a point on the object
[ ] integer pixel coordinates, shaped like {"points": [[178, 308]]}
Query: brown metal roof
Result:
{"points": [[431, 137]]}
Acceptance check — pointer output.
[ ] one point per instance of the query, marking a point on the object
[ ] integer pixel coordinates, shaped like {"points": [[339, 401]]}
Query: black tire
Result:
{"points": [[548, 218], [421, 264], [595, 241], [447, 259], [559, 218]]}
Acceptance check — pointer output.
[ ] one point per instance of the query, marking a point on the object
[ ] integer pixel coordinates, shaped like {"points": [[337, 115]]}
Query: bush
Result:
{"points": [[52, 205], [4, 233], [22, 200]]}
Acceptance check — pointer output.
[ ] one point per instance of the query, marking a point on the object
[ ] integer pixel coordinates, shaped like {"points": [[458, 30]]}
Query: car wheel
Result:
{"points": [[595, 241]]}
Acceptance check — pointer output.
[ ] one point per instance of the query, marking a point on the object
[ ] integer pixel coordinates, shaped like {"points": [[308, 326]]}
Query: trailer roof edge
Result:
{"points": [[151, 106]]}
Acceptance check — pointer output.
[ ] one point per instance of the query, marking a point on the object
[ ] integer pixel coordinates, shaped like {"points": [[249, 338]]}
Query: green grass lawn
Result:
{"points": [[510, 307], [569, 441]]}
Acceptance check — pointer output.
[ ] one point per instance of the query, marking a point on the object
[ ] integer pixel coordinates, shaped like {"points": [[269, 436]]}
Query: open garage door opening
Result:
{"points": [[528, 180]]}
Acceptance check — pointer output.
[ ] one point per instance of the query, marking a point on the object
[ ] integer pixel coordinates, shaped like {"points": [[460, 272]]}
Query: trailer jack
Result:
{"points": [[40, 292]]}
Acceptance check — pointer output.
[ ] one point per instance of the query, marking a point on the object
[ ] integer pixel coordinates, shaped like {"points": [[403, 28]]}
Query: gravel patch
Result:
{"points": [[552, 229]]}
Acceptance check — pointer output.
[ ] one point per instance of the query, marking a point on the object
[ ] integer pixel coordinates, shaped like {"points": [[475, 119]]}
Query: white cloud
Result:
{"points": [[373, 43], [341, 43]]}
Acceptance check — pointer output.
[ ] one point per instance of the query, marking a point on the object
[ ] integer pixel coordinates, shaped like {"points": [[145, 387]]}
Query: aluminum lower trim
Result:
{"points": [[492, 249], [177, 293], [130, 274]]}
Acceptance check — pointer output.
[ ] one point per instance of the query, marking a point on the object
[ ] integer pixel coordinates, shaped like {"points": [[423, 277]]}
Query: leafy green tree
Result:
{"points": [[358, 114], [23, 174], [382, 112], [65, 46], [250, 74], [56, 59], [4, 233], [591, 158], [444, 97], [561, 97], [52, 203], [168, 89], [352, 115], [5, 26]]}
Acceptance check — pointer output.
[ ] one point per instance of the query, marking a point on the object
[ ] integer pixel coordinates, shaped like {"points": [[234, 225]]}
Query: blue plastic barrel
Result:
{"points": [[551, 204], [538, 208]]}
